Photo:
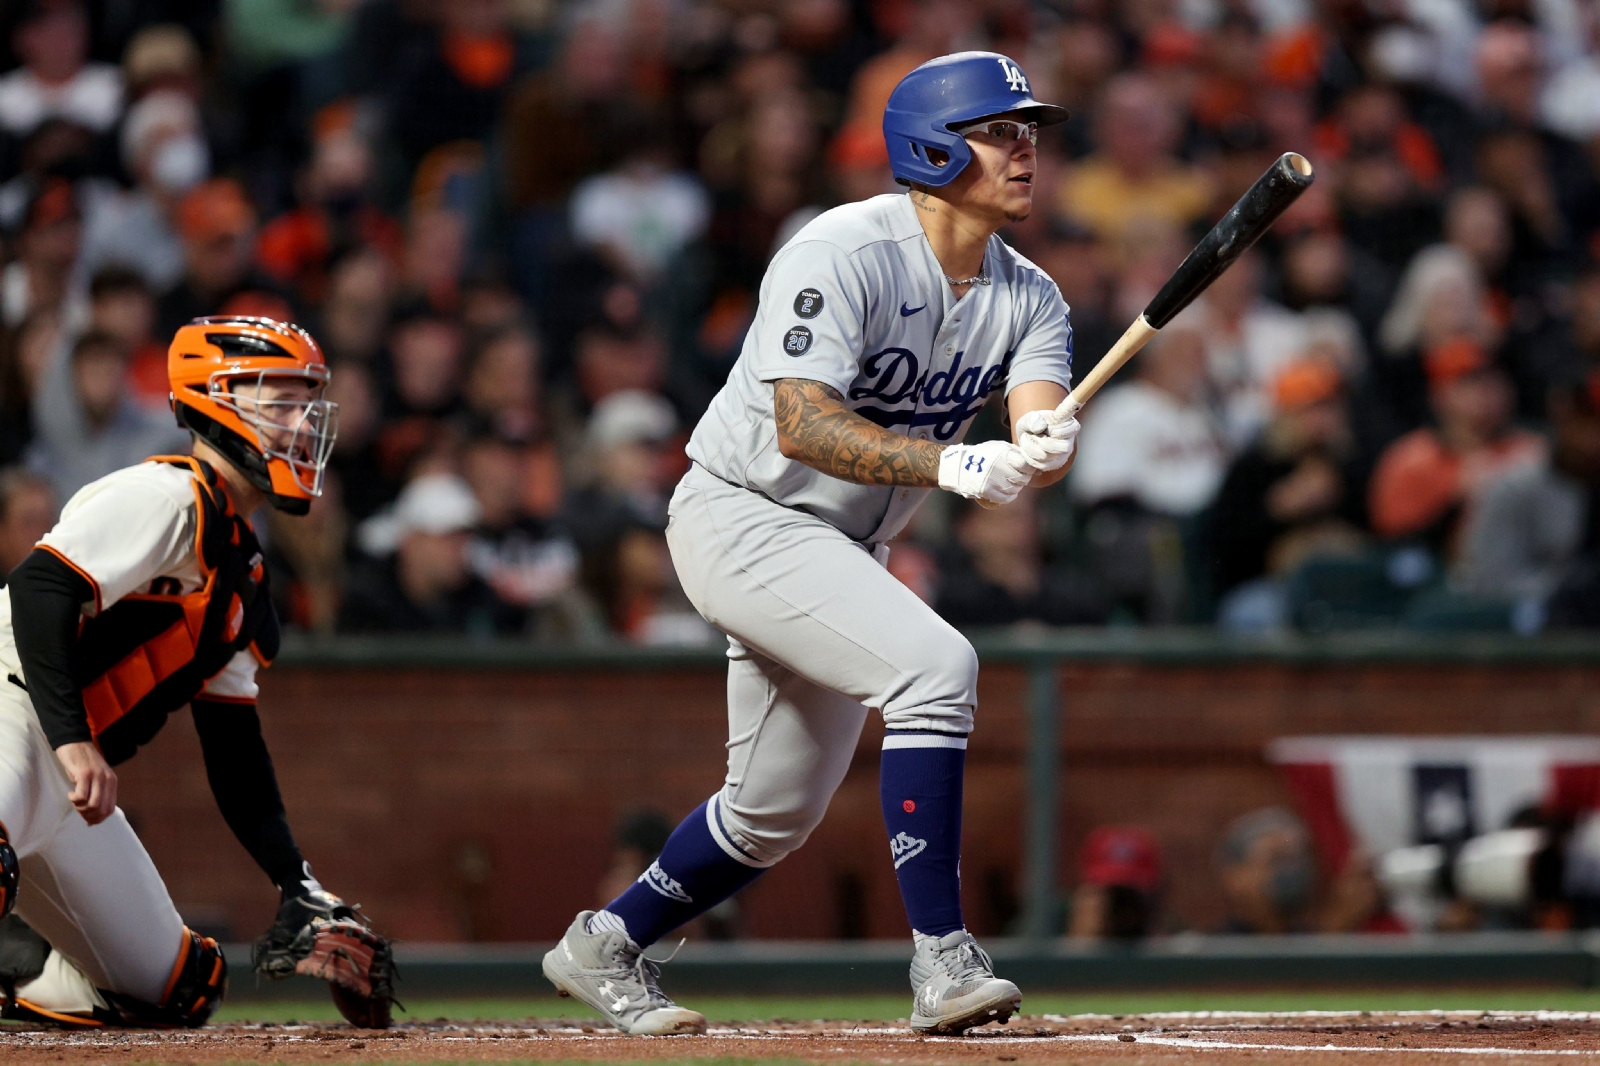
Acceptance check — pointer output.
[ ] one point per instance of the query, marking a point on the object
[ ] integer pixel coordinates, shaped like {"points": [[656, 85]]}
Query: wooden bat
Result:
{"points": [[1241, 227]]}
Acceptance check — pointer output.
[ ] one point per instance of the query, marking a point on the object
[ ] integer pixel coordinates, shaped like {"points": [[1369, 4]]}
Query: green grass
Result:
{"points": [[860, 1008]]}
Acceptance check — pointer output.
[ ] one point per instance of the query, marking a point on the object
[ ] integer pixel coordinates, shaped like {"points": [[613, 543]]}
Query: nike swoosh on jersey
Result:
{"points": [[908, 312]]}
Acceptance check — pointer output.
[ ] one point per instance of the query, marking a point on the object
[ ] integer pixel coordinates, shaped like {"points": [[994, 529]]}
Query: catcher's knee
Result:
{"points": [[195, 990], [763, 837]]}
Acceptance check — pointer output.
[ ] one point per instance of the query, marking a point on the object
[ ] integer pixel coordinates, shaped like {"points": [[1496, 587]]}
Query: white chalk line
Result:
{"points": [[1239, 1045]]}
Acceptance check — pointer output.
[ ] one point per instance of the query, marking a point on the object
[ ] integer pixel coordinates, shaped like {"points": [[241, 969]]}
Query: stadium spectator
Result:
{"points": [[165, 151], [355, 310], [27, 352], [120, 304], [528, 562], [1294, 494], [1249, 341], [1119, 882], [1134, 174], [424, 388], [642, 214], [1153, 440], [1150, 460], [335, 215], [56, 81], [27, 512], [217, 224], [87, 424], [417, 576], [1266, 872], [356, 459], [1533, 530], [40, 277], [451, 87], [1425, 481]]}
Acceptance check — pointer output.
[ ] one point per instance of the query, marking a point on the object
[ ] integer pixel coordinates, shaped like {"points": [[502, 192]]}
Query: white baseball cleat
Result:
{"points": [[956, 988], [610, 973]]}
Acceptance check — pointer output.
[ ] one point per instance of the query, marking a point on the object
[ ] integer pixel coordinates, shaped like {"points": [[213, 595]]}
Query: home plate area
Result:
{"points": [[1411, 1037]]}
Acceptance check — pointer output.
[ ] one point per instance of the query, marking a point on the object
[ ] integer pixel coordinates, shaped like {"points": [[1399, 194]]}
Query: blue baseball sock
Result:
{"points": [[692, 875], [919, 782]]}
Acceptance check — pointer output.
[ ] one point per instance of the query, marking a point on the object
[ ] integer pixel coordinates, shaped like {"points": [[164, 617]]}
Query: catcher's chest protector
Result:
{"points": [[149, 653]]}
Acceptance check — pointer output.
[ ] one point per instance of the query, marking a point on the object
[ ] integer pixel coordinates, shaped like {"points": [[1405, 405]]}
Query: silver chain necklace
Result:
{"points": [[981, 279]]}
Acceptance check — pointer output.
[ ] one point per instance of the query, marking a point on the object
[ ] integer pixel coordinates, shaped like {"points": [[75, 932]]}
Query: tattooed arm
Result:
{"points": [[816, 428]]}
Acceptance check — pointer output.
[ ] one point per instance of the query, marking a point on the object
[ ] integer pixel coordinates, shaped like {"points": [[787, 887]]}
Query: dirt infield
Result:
{"points": [[1313, 1037]]}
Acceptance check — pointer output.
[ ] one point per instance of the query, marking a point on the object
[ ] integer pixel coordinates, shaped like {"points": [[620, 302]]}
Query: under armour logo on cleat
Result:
{"points": [[978, 459]]}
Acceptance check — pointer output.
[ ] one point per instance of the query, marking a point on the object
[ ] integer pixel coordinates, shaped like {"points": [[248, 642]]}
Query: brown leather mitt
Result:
{"points": [[358, 965], [320, 935]]}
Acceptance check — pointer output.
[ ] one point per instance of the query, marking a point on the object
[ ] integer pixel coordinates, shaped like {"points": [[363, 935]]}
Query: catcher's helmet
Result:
{"points": [[217, 368], [951, 91]]}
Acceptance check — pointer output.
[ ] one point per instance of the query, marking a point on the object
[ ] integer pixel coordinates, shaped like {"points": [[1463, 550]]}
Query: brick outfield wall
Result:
{"points": [[463, 805]]}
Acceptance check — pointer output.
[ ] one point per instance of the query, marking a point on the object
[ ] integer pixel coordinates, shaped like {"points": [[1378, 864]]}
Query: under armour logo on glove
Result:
{"points": [[993, 472]]}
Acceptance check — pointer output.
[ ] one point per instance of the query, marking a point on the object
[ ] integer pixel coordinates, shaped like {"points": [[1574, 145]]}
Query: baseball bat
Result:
{"points": [[1241, 227]]}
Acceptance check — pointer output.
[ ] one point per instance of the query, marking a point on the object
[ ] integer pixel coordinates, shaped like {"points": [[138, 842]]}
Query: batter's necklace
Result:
{"points": [[982, 278]]}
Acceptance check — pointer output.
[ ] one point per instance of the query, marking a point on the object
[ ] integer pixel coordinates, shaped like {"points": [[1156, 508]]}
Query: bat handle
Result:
{"points": [[1136, 336]]}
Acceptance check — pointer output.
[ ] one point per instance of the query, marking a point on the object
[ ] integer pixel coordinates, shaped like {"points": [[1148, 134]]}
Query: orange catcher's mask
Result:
{"points": [[252, 389]]}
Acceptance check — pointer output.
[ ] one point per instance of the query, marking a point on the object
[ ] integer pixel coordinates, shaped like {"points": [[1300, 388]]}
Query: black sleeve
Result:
{"points": [[241, 775], [50, 595]]}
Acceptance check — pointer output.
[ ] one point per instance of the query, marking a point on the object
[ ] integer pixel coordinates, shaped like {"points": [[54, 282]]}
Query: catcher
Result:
{"points": [[150, 593]]}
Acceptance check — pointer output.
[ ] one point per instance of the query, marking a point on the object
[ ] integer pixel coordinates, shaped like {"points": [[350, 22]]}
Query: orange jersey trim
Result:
{"points": [[80, 571]]}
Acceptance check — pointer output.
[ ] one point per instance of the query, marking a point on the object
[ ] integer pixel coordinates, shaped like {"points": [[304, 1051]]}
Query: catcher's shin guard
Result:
{"points": [[199, 983], [10, 873]]}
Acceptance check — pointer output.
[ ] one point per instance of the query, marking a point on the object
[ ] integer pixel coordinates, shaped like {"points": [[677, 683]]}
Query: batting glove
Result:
{"points": [[1048, 444], [993, 472]]}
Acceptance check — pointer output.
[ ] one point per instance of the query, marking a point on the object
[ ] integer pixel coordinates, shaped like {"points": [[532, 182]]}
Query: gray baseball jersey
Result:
{"points": [[858, 301]]}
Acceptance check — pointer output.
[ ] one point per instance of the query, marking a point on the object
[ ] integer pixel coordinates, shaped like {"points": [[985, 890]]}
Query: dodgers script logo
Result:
{"points": [[904, 846], [657, 879], [896, 376]]}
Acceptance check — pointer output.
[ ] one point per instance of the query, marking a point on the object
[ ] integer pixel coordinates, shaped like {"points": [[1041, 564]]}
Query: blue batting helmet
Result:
{"points": [[950, 91]]}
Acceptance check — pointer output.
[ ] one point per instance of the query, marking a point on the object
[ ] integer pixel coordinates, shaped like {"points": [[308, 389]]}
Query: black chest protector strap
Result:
{"points": [[150, 653]]}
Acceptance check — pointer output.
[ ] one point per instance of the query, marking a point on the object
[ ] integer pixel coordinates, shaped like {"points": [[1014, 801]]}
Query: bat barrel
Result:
{"points": [[1241, 227]]}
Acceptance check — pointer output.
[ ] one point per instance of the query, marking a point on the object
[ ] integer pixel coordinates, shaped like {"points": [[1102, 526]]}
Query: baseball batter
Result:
{"points": [[883, 328], [149, 594]]}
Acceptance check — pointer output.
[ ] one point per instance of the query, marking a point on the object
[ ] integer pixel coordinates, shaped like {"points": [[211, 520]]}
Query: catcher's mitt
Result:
{"points": [[319, 935]]}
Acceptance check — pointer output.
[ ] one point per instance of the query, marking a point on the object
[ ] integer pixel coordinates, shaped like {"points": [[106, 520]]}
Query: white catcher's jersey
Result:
{"points": [[857, 301], [133, 531]]}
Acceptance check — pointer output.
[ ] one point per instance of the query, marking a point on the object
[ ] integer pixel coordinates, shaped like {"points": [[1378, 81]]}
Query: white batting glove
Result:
{"points": [[993, 472], [1048, 444]]}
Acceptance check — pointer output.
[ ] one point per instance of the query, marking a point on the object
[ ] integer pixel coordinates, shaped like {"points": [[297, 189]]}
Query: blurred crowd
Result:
{"points": [[530, 233]]}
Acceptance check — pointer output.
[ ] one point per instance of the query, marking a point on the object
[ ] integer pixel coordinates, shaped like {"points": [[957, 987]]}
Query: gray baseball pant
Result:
{"points": [[818, 631]]}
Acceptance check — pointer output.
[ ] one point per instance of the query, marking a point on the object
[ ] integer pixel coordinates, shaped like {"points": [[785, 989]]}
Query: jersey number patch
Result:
{"points": [[797, 341], [808, 303]]}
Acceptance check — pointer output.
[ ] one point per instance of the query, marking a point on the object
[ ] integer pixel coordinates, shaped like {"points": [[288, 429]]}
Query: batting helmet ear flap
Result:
{"points": [[915, 137]]}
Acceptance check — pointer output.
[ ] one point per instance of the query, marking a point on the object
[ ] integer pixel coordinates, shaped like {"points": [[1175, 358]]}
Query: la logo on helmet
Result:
{"points": [[1016, 81]]}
